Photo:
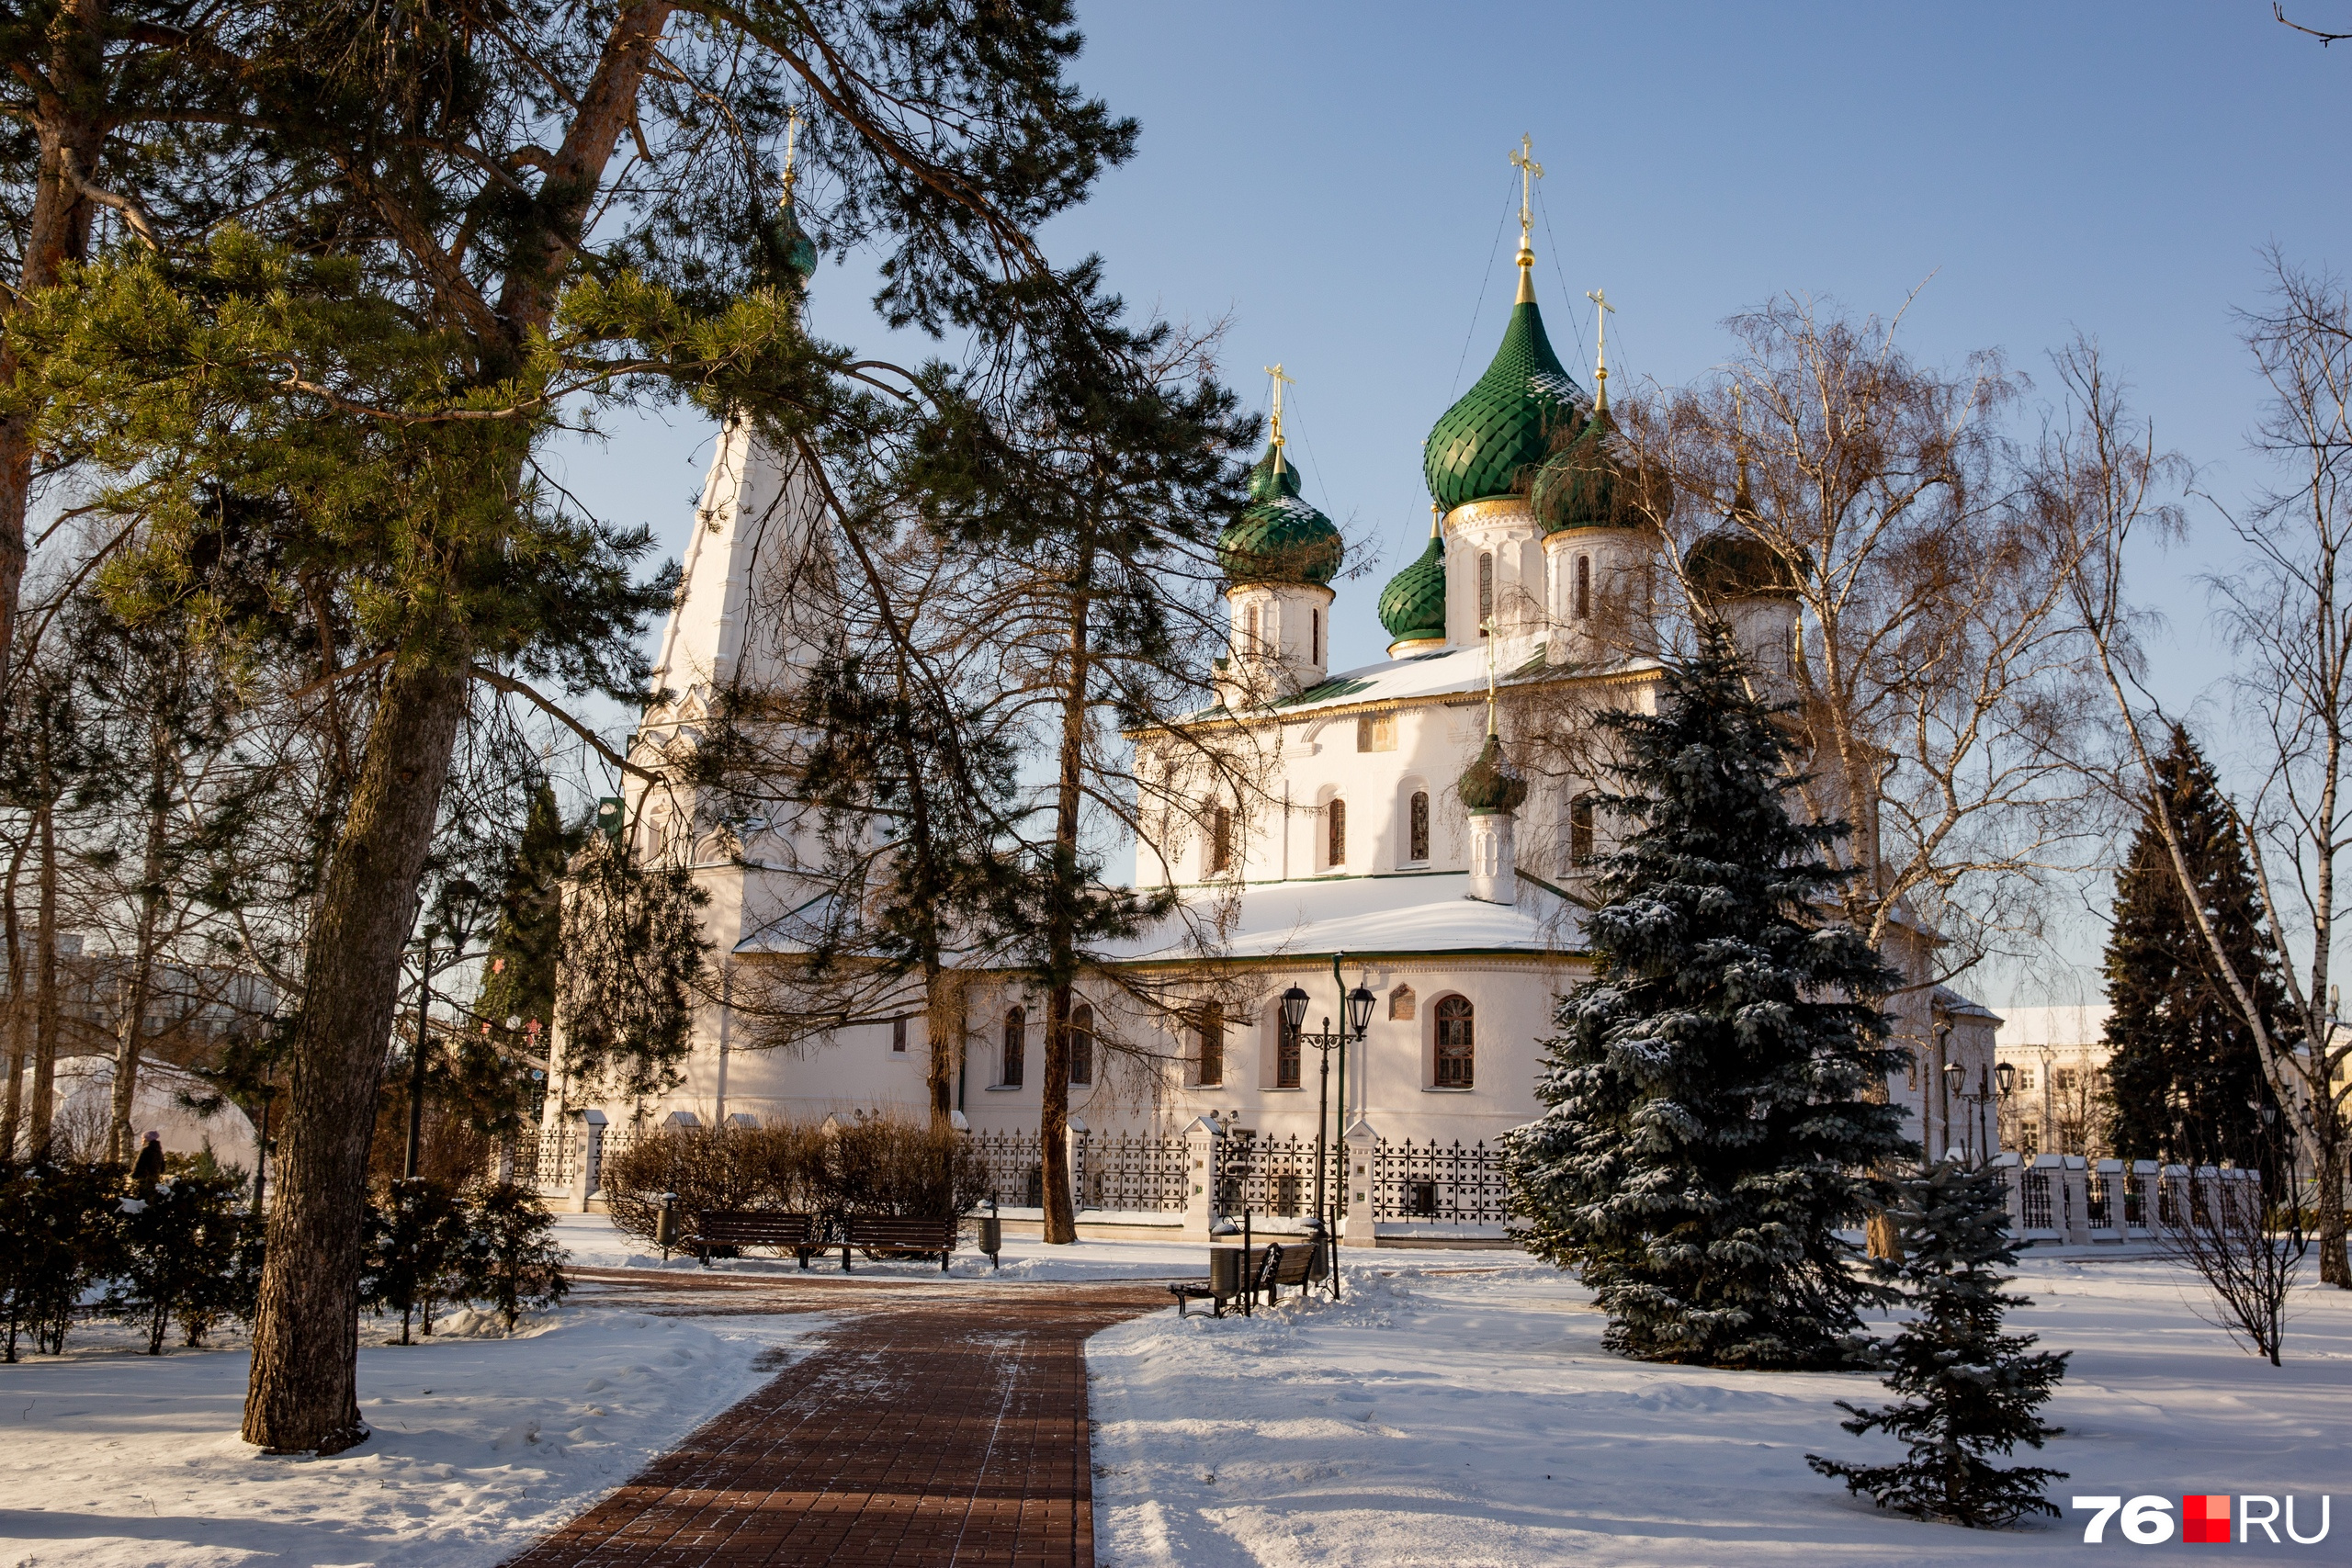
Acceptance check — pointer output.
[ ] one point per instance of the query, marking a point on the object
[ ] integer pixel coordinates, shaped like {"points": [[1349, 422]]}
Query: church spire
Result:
{"points": [[1529, 171], [1280, 381]]}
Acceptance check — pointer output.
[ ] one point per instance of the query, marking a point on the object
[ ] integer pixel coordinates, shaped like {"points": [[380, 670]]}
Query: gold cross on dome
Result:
{"points": [[1529, 171], [1280, 381], [1601, 310]]}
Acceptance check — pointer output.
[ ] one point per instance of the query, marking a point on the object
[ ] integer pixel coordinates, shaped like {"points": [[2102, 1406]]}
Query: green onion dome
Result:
{"points": [[1737, 566], [1278, 537], [1413, 604], [1588, 483], [1504, 423], [1491, 784], [786, 256]]}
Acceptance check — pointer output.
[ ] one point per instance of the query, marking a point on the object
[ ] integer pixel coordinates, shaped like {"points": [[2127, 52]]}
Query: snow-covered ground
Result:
{"points": [[594, 1243], [1440, 1415], [481, 1444]]}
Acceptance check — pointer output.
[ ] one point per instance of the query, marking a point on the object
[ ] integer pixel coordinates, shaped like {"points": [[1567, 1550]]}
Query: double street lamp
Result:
{"points": [[2001, 1084], [1355, 1009]]}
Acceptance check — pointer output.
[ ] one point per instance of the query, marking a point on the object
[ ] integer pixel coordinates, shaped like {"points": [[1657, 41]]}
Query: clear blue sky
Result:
{"points": [[1332, 177]]}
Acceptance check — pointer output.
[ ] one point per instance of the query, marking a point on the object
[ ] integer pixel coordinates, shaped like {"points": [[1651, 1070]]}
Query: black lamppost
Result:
{"points": [[1955, 1080], [1355, 1009]]}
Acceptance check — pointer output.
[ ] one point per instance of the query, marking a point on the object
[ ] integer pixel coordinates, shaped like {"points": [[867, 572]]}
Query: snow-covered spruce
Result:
{"points": [[1707, 1131], [1969, 1389]]}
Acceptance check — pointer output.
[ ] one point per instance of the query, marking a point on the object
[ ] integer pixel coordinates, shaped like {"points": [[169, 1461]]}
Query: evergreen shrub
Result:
{"points": [[177, 1245], [57, 1238], [414, 1239], [510, 1257], [1969, 1390]]}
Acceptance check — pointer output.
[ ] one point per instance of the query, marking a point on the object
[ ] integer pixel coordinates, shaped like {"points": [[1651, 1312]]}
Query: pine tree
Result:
{"points": [[1969, 1389], [2184, 1064], [1706, 1134], [486, 1083]]}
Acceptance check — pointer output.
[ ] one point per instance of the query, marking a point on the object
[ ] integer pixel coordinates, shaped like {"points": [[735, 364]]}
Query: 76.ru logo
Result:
{"points": [[2204, 1516]]}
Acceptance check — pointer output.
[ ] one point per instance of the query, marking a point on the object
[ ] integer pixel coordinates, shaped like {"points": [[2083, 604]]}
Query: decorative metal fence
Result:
{"points": [[1016, 1172], [1443, 1184], [1273, 1176], [544, 1160], [1143, 1172], [2099, 1204], [2033, 1200]]}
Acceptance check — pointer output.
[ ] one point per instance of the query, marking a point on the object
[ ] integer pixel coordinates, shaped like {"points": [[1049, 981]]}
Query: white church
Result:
{"points": [[1416, 831]]}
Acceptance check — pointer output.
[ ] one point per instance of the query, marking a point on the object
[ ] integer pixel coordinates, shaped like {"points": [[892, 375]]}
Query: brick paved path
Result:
{"points": [[923, 1432]]}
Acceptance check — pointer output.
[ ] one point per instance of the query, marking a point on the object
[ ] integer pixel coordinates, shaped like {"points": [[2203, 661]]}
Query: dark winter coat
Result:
{"points": [[150, 1168]]}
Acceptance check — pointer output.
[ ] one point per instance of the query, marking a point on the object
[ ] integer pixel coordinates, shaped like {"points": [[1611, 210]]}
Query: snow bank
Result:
{"points": [[594, 1243], [1470, 1418], [481, 1443]]}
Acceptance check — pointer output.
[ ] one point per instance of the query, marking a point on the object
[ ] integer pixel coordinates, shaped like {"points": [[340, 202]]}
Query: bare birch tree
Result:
{"points": [[2102, 478]]}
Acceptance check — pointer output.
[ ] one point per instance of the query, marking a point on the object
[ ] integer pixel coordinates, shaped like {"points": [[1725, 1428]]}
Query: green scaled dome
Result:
{"points": [[1503, 425], [1588, 484], [1278, 537], [1413, 604], [1491, 784]]}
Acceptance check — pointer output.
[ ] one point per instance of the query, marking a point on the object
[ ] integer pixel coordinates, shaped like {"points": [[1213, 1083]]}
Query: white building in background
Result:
{"points": [[1391, 825], [2060, 1055]]}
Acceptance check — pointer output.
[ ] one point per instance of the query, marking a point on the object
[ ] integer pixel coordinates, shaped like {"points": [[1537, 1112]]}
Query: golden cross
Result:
{"points": [[1280, 381], [1601, 310], [792, 123], [1529, 171]]}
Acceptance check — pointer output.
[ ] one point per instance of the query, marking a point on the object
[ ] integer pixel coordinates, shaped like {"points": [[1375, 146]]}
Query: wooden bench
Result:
{"points": [[899, 1234], [1266, 1269], [797, 1234]]}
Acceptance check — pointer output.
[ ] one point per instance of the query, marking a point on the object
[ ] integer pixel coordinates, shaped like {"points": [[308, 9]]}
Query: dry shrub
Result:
{"points": [[871, 1165], [699, 1164]]}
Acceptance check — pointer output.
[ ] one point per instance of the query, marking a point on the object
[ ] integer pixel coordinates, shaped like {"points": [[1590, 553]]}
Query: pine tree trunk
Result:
{"points": [[12, 1107], [122, 1142], [303, 1393], [67, 124], [45, 1005], [1061, 946], [943, 1033]]}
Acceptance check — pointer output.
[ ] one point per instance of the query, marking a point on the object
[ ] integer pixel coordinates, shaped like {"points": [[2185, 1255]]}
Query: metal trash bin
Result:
{"points": [[1225, 1270]]}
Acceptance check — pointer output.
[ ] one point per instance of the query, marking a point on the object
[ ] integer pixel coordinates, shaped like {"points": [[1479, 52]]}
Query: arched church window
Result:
{"points": [[1221, 840], [1456, 1048], [1016, 1041], [1580, 829], [1416, 827], [1486, 590], [1315, 636], [1335, 849], [1287, 1053], [1249, 619], [1082, 1045], [1400, 1002], [1212, 1059], [1584, 588]]}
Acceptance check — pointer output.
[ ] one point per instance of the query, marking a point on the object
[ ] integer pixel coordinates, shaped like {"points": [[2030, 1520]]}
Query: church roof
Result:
{"points": [[1444, 673], [1503, 425], [1364, 916]]}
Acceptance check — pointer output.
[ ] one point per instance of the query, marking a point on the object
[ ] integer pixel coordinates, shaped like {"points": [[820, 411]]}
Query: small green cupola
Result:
{"points": [[1492, 784], [1412, 607], [787, 257], [1504, 424], [1279, 537]]}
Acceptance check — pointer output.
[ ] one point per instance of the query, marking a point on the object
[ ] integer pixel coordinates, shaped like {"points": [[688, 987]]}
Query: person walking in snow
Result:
{"points": [[150, 1168]]}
